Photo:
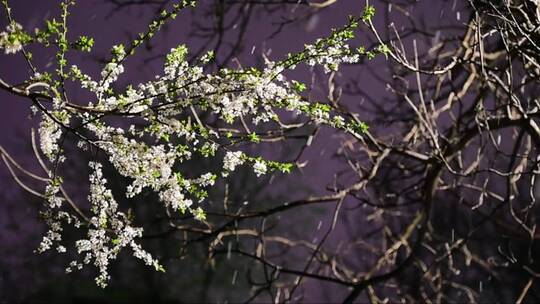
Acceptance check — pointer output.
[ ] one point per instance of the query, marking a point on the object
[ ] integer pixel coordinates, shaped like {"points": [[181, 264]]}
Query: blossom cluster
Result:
{"points": [[49, 135], [169, 109], [109, 231], [13, 38]]}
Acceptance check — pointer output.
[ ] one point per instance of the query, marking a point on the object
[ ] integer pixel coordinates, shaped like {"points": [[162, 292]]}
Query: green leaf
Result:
{"points": [[368, 14], [160, 268], [299, 86], [384, 49], [84, 43], [253, 137]]}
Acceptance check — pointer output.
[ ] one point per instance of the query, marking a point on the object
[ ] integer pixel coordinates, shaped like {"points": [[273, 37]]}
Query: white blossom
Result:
{"points": [[9, 40], [110, 231], [207, 179], [110, 74], [49, 134], [259, 168], [232, 160], [51, 195], [173, 196]]}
